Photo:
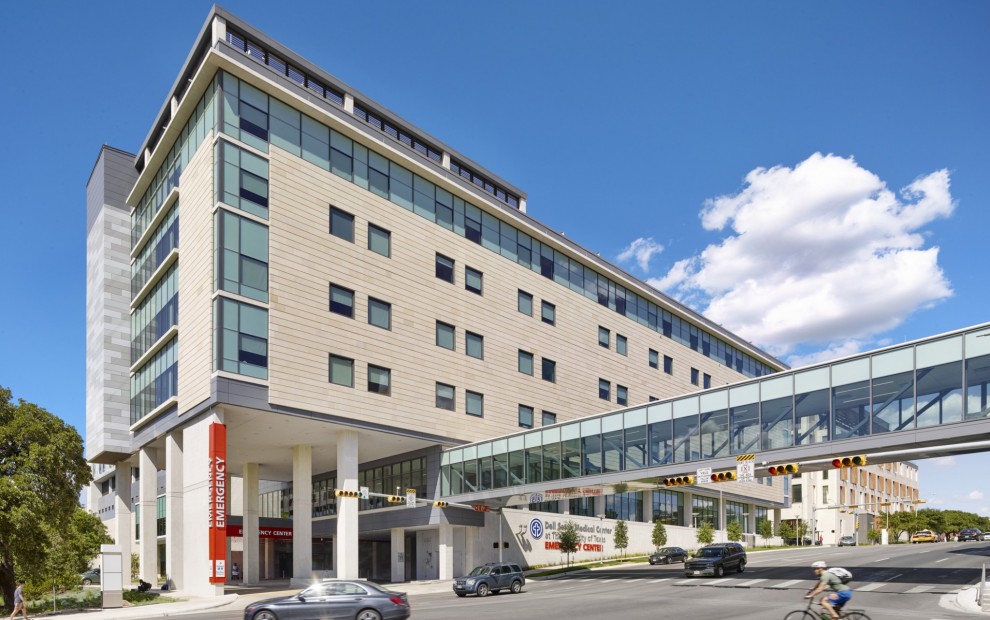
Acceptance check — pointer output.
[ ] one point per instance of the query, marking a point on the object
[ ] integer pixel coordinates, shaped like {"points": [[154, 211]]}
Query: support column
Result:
{"points": [[195, 551], [148, 504], [250, 494], [123, 526], [302, 515], [346, 541], [647, 506], [173, 510], [445, 562], [398, 555], [688, 498]]}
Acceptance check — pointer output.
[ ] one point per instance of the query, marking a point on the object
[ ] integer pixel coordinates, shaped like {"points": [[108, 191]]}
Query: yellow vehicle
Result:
{"points": [[923, 536]]}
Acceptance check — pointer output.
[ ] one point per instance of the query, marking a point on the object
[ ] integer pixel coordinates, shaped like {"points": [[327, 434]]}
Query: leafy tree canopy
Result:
{"points": [[659, 534], [569, 539], [706, 533], [621, 536], [734, 531]]}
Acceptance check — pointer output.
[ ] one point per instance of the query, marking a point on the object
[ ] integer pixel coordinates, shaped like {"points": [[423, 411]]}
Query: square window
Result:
{"points": [[525, 362], [445, 335], [445, 268], [668, 364], [621, 345], [707, 381], [342, 301], [549, 370], [473, 280], [341, 371], [604, 390], [548, 418], [525, 303], [694, 376], [525, 416], [474, 345], [379, 380], [654, 359], [445, 396], [549, 313], [474, 403], [379, 313], [379, 241], [621, 394], [604, 337], [341, 224]]}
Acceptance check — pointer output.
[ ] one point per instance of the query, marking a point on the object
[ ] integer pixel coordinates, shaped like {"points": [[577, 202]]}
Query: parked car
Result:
{"points": [[847, 541], [492, 577], [716, 560], [335, 598], [668, 555], [922, 536], [90, 577], [970, 534], [986, 535]]}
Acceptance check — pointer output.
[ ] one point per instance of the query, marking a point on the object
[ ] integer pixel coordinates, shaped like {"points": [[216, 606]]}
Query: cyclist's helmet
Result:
{"points": [[819, 564]]}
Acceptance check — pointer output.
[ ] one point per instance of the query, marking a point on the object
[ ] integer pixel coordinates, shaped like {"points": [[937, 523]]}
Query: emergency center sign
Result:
{"points": [[218, 503]]}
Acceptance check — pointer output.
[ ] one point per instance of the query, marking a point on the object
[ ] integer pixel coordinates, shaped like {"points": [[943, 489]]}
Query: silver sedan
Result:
{"points": [[334, 599]]}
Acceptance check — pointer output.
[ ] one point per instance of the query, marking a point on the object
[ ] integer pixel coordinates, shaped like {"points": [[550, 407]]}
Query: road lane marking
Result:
{"points": [[686, 582], [749, 583], [880, 560], [919, 589], [870, 587], [891, 579], [942, 560], [786, 584]]}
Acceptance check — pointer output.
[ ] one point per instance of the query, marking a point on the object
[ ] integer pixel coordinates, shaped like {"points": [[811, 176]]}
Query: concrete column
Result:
{"points": [[346, 541], [349, 103], [599, 505], [219, 28], [445, 561], [123, 527], [688, 499], [302, 515], [173, 509], [195, 551], [647, 506], [148, 504], [251, 498], [445, 160], [398, 555]]}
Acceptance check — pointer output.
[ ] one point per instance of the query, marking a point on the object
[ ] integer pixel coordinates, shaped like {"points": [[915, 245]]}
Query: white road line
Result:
{"points": [[942, 560], [787, 584], [747, 584], [891, 579], [870, 587], [880, 560], [686, 581], [917, 589]]}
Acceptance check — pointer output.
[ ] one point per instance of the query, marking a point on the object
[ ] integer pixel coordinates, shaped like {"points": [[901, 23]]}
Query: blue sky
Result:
{"points": [[810, 175]]}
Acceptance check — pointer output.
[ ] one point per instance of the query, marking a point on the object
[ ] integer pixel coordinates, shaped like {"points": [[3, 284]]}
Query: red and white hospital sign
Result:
{"points": [[218, 503]]}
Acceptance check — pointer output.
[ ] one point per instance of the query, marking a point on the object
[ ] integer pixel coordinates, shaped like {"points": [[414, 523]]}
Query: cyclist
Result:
{"points": [[840, 595]]}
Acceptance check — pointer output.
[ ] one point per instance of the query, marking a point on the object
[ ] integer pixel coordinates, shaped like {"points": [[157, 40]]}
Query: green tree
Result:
{"points": [[706, 533], [569, 539], [901, 522], [786, 531], [42, 471], [873, 536], [621, 536], [659, 534], [766, 530], [734, 531]]}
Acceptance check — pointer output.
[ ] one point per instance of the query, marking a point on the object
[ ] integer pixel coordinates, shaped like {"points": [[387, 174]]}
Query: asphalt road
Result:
{"points": [[901, 581]]}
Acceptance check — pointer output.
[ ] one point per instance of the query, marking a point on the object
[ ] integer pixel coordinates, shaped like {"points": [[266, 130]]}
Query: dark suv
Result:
{"points": [[716, 560], [970, 534], [491, 578]]}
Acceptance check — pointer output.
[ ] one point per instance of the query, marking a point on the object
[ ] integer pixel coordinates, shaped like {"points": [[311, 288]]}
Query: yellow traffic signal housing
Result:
{"points": [[345, 493], [678, 481], [396, 499], [849, 461], [723, 476], [780, 470], [439, 504]]}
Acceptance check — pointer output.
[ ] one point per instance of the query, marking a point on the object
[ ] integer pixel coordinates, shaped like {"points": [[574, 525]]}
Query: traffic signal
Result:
{"points": [[780, 470], [396, 499], [439, 504], [345, 493], [849, 461], [724, 476], [678, 481], [481, 508]]}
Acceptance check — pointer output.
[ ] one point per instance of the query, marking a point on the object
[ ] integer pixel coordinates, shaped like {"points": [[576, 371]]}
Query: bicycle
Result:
{"points": [[808, 614]]}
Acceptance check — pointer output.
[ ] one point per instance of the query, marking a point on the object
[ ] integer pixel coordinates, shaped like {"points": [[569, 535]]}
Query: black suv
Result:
{"points": [[970, 534], [491, 578], [716, 560]]}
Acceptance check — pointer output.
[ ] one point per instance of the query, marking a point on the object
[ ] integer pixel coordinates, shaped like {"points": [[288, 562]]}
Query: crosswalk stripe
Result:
{"points": [[746, 584], [787, 584], [871, 586], [918, 589], [687, 581]]}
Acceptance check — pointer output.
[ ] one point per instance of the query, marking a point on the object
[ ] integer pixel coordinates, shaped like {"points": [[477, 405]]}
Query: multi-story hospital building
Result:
{"points": [[292, 290]]}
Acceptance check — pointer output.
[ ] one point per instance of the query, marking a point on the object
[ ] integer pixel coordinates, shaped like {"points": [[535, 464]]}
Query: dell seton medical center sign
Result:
{"points": [[218, 503]]}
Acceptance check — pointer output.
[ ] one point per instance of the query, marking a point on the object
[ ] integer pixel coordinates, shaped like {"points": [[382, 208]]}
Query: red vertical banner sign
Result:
{"points": [[218, 503]]}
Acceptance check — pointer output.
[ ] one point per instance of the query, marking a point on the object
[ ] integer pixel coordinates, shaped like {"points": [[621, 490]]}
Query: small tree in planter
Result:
{"points": [[766, 531], [706, 533], [659, 534], [569, 539], [621, 536], [734, 531]]}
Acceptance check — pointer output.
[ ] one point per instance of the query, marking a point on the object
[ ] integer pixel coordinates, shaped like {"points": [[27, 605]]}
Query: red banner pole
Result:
{"points": [[218, 487]]}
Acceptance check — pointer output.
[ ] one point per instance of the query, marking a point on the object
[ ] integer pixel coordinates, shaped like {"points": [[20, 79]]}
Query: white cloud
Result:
{"points": [[642, 250], [975, 496], [822, 253], [944, 461]]}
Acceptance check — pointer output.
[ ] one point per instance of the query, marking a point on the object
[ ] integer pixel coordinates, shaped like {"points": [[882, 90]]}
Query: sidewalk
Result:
{"points": [[965, 601]]}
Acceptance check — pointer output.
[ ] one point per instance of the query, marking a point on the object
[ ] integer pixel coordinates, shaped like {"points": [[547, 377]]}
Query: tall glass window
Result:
{"points": [[591, 446], [155, 382], [687, 440], [734, 511], [625, 506], [242, 179], [241, 337], [156, 250], [939, 381], [157, 313], [635, 439], [978, 375], [811, 406], [612, 450], [851, 399], [704, 510], [744, 419], [661, 434], [893, 391], [242, 256], [714, 424], [777, 412], [668, 507]]}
